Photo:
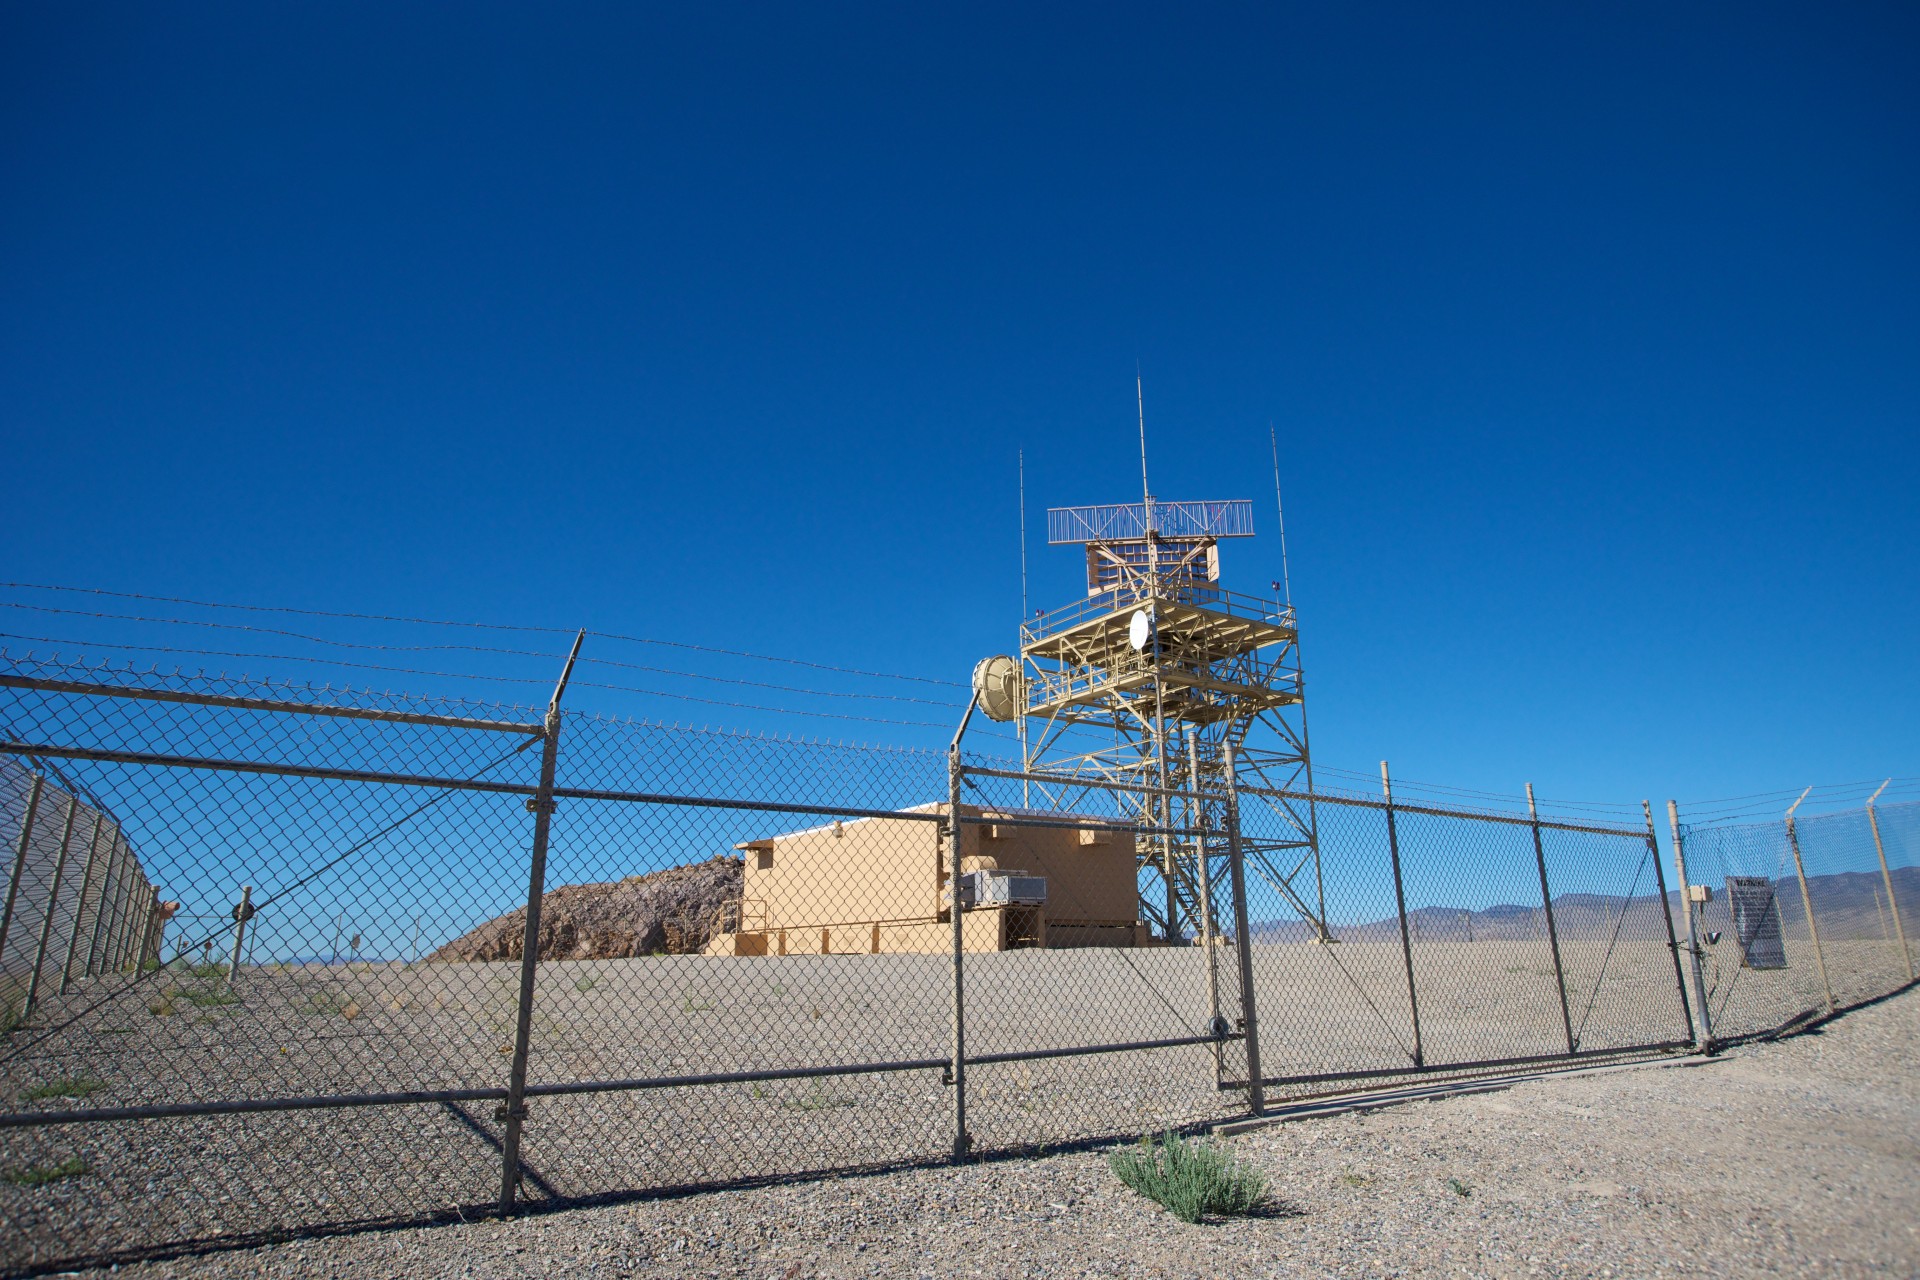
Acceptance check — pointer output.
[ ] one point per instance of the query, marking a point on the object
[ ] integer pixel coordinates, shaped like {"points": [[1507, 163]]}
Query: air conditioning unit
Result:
{"points": [[1002, 889]]}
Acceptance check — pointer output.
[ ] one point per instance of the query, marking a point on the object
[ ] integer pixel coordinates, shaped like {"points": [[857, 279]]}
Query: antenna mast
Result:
{"points": [[1023, 534], [1146, 494], [1140, 399], [1026, 759], [1286, 582]]}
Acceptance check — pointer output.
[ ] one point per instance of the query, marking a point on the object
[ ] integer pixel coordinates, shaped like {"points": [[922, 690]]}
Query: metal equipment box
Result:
{"points": [[1003, 889]]}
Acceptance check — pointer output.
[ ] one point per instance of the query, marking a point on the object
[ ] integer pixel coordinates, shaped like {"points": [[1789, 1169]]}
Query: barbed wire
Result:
{"points": [[486, 649], [1369, 783], [489, 626], [1824, 797], [263, 608], [466, 675], [95, 668], [762, 657], [555, 656]]}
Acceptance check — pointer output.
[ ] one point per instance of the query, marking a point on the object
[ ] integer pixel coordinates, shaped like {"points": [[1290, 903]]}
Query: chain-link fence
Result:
{"points": [[1454, 942], [424, 959], [78, 903], [1800, 917]]}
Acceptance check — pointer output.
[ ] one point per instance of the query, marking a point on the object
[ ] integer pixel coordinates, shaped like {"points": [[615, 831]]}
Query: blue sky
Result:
{"points": [[1589, 337]]}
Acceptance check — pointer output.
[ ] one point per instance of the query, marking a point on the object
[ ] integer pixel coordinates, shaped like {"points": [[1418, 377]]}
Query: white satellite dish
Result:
{"points": [[997, 685], [1140, 629]]}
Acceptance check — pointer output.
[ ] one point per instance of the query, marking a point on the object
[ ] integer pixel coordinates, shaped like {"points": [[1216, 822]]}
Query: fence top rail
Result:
{"points": [[285, 769], [285, 705], [1078, 781], [1436, 811], [1074, 822], [1304, 797]]}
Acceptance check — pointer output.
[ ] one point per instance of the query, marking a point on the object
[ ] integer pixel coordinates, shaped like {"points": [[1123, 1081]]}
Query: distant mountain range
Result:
{"points": [[1848, 906]]}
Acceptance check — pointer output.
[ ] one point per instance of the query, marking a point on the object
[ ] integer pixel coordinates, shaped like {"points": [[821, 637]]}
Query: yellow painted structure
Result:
{"points": [[880, 885]]}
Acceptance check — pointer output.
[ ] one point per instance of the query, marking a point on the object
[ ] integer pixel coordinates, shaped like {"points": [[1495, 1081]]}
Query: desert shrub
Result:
{"points": [[64, 1087], [1190, 1178], [40, 1175]]}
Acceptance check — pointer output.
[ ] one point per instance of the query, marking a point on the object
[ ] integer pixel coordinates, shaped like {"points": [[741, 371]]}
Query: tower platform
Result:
{"points": [[1203, 650]]}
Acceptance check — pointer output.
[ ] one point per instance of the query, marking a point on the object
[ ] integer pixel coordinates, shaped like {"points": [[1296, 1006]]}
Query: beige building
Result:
{"points": [[878, 885]]}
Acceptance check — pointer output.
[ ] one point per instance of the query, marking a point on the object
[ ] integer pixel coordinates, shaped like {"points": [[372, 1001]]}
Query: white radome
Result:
{"points": [[1140, 629], [996, 683]]}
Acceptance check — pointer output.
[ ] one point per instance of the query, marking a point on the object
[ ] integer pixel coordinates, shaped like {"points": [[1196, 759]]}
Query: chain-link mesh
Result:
{"points": [[281, 942], [1424, 940], [795, 939], [78, 902], [1859, 871], [319, 992], [1083, 1022]]}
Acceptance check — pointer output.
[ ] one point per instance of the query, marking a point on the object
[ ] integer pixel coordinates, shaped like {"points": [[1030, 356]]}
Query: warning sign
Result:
{"points": [[1756, 922]]}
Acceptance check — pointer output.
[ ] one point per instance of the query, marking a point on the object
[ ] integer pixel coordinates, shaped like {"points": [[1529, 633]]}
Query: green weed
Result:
{"points": [[1191, 1179], [64, 1087], [39, 1175], [1459, 1188], [208, 998], [584, 985], [689, 1005], [1356, 1180]]}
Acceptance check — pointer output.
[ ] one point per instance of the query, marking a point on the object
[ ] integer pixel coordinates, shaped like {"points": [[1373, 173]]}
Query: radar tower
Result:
{"points": [[1152, 674]]}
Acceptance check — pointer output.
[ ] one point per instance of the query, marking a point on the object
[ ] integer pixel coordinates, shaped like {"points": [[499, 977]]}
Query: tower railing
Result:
{"points": [[1141, 591]]}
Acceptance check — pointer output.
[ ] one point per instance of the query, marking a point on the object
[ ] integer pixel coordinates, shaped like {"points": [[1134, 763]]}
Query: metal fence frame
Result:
{"points": [[122, 945], [87, 908], [1849, 963]]}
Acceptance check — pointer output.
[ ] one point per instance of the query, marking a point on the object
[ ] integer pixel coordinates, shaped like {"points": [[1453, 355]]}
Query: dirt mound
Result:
{"points": [[670, 910]]}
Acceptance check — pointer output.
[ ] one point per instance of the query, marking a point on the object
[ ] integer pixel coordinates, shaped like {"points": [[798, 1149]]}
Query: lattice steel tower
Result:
{"points": [[1147, 677]]}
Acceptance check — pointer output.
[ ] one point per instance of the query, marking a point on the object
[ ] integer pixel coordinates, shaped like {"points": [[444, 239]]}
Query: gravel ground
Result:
{"points": [[1795, 1158], [318, 1030]]}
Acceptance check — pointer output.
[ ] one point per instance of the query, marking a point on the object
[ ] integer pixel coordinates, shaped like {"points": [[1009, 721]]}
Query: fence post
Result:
{"points": [[1702, 1016], [1673, 944], [147, 898], [1400, 904], [957, 1048], [136, 878], [123, 924], [53, 904], [1886, 876], [122, 903], [1249, 1016], [20, 860], [242, 912], [1553, 933], [1806, 900], [514, 1111], [1208, 939], [102, 926], [149, 930], [80, 906]]}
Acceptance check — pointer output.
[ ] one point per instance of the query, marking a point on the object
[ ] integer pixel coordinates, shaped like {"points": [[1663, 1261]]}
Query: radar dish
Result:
{"points": [[997, 686]]}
